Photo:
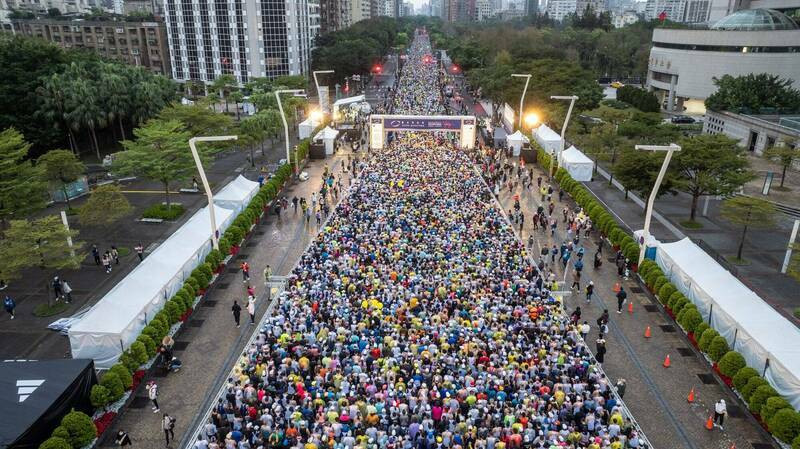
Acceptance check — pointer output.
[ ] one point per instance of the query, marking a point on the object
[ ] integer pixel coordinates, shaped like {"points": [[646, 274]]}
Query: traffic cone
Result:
{"points": [[666, 361], [647, 332], [710, 423], [690, 398], [630, 307]]}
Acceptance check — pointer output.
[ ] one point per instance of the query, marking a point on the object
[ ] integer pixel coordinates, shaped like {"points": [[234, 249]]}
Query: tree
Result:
{"points": [[237, 98], [42, 242], [224, 84], [113, 93], [160, 152], [291, 81], [105, 206], [752, 93], [199, 120], [84, 109], [709, 165], [22, 190], [637, 171], [748, 212], [61, 167], [258, 127], [785, 155]]}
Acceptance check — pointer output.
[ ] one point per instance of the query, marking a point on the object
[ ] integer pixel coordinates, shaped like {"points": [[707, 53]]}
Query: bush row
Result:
{"points": [[762, 400], [639, 98], [75, 431]]}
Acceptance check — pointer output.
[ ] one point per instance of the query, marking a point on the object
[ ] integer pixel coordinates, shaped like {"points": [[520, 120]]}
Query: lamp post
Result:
{"points": [[296, 93], [209, 195], [571, 99], [316, 83], [527, 77], [671, 148]]}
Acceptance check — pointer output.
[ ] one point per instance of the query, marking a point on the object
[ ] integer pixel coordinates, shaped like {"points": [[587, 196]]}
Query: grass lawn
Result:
{"points": [[163, 212], [689, 224], [736, 261], [45, 309], [123, 251]]}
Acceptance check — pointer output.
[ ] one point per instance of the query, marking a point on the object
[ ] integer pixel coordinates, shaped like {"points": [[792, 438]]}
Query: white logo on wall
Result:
{"points": [[26, 387]]}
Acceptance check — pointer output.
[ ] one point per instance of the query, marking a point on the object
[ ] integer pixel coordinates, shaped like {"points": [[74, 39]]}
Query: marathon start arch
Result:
{"points": [[380, 125]]}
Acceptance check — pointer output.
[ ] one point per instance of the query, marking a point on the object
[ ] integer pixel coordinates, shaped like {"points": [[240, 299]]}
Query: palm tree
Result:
{"points": [[113, 91], [84, 110], [52, 107], [224, 84], [237, 98]]}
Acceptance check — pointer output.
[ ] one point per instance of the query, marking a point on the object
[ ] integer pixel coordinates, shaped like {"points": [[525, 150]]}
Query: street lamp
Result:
{"points": [[209, 195], [571, 99], [532, 120], [522, 99], [671, 148], [316, 83], [296, 93]]}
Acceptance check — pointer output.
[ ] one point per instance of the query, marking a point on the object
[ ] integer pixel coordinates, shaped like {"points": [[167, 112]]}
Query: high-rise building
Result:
{"points": [[559, 9], [359, 10], [597, 6], [334, 15], [672, 10], [483, 10], [243, 38]]}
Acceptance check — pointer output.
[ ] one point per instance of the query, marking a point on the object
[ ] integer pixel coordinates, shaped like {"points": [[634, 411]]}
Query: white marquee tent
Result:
{"points": [[328, 136], [237, 194], [752, 327], [306, 127], [548, 139], [112, 324], [576, 164], [516, 141]]}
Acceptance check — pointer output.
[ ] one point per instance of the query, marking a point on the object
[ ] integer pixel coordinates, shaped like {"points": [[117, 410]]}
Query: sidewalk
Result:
{"points": [[27, 336], [655, 395], [764, 249], [210, 342]]}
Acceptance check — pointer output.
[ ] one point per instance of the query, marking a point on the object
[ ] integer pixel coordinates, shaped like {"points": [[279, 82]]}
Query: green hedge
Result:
{"points": [[785, 425], [705, 339], [659, 282], [161, 211], [699, 329], [666, 291], [639, 98], [742, 376], [113, 384], [759, 397], [124, 375], [55, 443], [139, 352], [99, 396], [731, 363], [753, 383], [771, 406], [80, 428], [691, 318], [717, 348]]}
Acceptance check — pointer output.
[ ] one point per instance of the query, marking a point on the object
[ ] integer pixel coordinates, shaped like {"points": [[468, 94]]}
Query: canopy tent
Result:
{"points": [[34, 396], [327, 135], [751, 326], [116, 320], [576, 164], [338, 104], [237, 194], [548, 139], [516, 141], [306, 127]]}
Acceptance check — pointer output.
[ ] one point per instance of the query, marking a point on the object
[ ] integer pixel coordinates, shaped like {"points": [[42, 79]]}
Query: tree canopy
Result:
{"points": [[22, 186], [748, 212], [61, 167], [754, 94]]}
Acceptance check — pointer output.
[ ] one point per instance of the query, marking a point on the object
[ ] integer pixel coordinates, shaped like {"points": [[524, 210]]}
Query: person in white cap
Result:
{"points": [[720, 410]]}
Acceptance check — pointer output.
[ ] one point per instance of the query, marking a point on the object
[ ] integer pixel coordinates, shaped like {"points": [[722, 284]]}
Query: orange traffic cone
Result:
{"points": [[710, 423], [647, 332], [690, 398], [666, 361], [630, 307]]}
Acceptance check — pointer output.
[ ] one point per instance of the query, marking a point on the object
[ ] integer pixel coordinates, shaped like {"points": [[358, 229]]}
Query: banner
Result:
{"points": [[411, 124]]}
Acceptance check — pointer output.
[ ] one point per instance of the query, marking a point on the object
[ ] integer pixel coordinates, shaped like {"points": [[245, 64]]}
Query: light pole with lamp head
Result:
{"points": [[527, 77], [671, 148], [571, 99], [296, 93], [316, 83], [209, 195]]}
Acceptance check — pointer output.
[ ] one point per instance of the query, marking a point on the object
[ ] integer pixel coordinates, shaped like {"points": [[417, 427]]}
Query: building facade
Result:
{"points": [[624, 18], [755, 133], [674, 71], [597, 6], [243, 38], [137, 43], [559, 9]]}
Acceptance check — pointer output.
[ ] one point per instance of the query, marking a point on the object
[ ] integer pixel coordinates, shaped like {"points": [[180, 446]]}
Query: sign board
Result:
{"points": [[412, 124], [381, 124], [508, 117]]}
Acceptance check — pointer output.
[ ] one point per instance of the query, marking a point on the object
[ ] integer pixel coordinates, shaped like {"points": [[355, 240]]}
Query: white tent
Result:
{"points": [[328, 136], [516, 141], [548, 139], [306, 127], [237, 194], [344, 102], [116, 320], [752, 327], [576, 164]]}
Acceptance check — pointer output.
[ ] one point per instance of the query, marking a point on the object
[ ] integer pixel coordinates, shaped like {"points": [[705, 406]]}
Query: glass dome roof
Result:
{"points": [[755, 20]]}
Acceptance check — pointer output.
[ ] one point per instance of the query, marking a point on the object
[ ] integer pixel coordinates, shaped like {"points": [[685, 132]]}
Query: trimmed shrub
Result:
{"points": [[173, 311], [151, 331], [773, 404], [705, 339], [99, 396], [645, 267], [671, 299], [691, 319], [699, 329], [796, 443], [679, 304], [139, 352], [666, 291], [148, 343], [659, 282], [742, 376], [759, 397], [80, 427], [124, 375], [631, 251], [129, 361], [731, 363], [61, 432], [190, 290], [718, 348], [113, 384], [55, 443], [161, 323], [679, 315], [753, 383], [785, 425], [225, 245], [193, 283]]}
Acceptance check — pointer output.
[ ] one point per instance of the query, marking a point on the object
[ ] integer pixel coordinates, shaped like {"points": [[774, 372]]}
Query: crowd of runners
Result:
{"points": [[416, 319]]}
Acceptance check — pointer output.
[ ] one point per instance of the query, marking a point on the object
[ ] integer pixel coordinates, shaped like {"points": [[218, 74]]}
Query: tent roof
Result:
{"points": [[349, 100], [29, 389], [115, 311], [326, 133], [517, 136], [237, 190], [573, 155], [753, 315], [545, 133]]}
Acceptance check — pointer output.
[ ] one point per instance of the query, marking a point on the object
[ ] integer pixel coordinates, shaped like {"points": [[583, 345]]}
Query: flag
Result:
{"points": [[663, 16]]}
